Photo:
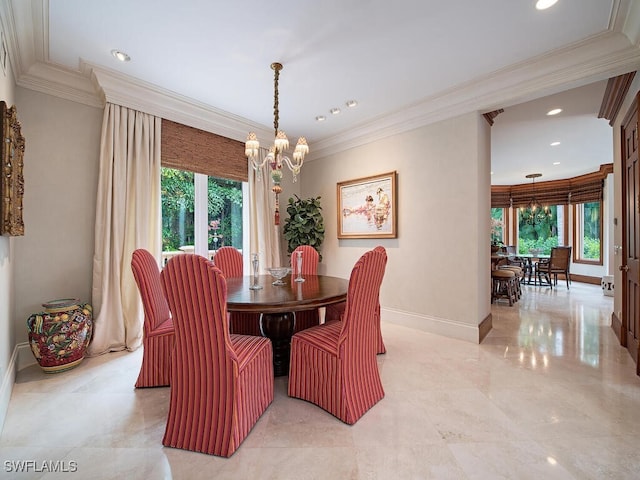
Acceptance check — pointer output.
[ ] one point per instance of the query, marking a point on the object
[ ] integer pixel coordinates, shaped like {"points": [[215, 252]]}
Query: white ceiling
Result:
{"points": [[407, 63], [521, 137]]}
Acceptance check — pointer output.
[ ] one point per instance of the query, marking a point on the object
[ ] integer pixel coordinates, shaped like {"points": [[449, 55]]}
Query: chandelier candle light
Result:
{"points": [[276, 156]]}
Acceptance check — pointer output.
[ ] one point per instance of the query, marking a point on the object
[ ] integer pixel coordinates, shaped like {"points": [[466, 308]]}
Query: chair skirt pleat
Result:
{"points": [[254, 389], [155, 370], [314, 375]]}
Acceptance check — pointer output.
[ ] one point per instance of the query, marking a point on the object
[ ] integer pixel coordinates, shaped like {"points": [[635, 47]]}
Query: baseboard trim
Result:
{"points": [[438, 326], [485, 327], [583, 279], [25, 356], [6, 388], [616, 325]]}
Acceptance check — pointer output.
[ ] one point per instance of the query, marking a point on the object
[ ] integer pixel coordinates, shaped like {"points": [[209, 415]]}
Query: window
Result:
{"points": [[178, 205], [497, 226], [540, 230], [588, 237], [187, 196]]}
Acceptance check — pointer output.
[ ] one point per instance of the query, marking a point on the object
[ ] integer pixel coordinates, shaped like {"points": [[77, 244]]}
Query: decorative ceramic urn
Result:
{"points": [[60, 335]]}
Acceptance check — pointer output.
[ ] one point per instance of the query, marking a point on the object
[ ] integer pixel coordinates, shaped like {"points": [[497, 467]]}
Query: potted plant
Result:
{"points": [[305, 225]]}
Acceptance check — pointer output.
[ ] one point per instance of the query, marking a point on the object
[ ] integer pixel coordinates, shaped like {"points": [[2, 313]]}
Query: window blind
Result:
{"points": [[582, 189], [188, 148]]}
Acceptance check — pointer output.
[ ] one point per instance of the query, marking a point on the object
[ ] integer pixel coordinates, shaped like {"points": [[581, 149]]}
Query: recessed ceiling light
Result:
{"points": [[123, 57], [544, 4], [491, 173], [335, 111], [351, 103], [555, 111], [321, 118], [554, 144], [556, 163]]}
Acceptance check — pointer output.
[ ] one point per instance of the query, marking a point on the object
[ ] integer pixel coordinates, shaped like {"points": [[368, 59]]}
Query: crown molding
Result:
{"points": [[62, 82], [614, 95], [133, 93], [597, 58]]}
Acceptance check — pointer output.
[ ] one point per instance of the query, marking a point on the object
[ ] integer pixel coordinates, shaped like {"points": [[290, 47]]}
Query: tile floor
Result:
{"points": [[549, 394]]}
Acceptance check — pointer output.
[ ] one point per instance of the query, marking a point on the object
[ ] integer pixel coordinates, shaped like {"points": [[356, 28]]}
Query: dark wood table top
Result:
{"points": [[315, 291]]}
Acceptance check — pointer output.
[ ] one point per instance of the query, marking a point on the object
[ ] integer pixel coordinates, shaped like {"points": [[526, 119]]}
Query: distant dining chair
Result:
{"points": [[558, 263], [229, 261], [221, 383], [334, 364], [310, 259], [158, 332]]}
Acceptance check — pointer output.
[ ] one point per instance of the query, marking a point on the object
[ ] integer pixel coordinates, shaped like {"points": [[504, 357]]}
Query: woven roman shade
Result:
{"points": [[188, 148], [585, 188]]}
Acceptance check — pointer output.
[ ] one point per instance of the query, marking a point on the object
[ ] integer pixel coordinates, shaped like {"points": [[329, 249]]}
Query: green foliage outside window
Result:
{"points": [[178, 200], [541, 234], [591, 248], [591, 231], [497, 224], [177, 194]]}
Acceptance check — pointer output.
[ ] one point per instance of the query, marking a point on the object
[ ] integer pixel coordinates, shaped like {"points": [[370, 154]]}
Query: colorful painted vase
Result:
{"points": [[60, 335]]}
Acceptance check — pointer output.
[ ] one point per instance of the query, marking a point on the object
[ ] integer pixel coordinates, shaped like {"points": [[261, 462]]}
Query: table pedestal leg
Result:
{"points": [[278, 327]]}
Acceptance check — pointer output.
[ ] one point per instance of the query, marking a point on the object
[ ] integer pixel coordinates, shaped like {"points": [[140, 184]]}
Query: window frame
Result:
{"points": [[201, 216], [578, 234]]}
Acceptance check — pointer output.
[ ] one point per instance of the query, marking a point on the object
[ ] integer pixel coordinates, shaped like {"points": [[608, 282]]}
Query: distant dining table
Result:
{"points": [[277, 305], [528, 259]]}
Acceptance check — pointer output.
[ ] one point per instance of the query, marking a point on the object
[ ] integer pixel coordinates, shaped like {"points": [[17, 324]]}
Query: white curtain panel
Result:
{"points": [[128, 216], [264, 234]]}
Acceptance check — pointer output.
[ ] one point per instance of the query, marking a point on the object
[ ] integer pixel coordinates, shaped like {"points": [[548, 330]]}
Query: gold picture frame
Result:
{"points": [[11, 164], [367, 207]]}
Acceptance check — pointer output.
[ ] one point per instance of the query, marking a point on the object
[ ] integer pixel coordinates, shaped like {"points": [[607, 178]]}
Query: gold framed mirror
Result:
{"points": [[12, 181]]}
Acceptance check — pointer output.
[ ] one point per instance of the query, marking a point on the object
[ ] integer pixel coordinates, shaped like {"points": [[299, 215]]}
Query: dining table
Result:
{"points": [[528, 260], [277, 305]]}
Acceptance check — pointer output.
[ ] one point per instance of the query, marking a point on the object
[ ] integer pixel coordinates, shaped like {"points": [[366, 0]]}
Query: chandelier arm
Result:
{"points": [[258, 165]]}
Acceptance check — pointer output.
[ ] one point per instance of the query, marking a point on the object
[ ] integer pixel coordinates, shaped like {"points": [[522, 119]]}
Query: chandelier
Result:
{"points": [[537, 213], [276, 157]]}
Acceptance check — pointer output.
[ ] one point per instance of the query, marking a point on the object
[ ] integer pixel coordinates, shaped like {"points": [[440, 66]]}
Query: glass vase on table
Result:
{"points": [[255, 269], [299, 267]]}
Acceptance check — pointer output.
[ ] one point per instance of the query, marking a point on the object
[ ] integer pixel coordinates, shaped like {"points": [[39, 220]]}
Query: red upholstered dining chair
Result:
{"points": [[310, 259], [221, 383], [158, 337], [334, 365], [229, 261], [336, 311]]}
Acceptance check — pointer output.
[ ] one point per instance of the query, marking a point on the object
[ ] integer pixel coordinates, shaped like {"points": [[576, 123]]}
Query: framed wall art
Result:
{"points": [[367, 207], [11, 165]]}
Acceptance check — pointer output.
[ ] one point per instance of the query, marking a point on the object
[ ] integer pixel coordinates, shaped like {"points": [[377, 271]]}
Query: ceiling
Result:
{"points": [[207, 64]]}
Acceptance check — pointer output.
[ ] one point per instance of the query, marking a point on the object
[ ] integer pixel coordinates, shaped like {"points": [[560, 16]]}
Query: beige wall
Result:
{"points": [[54, 258], [437, 273], [7, 266]]}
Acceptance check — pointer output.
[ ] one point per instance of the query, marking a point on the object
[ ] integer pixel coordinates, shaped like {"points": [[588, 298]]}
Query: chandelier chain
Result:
{"points": [[276, 113]]}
